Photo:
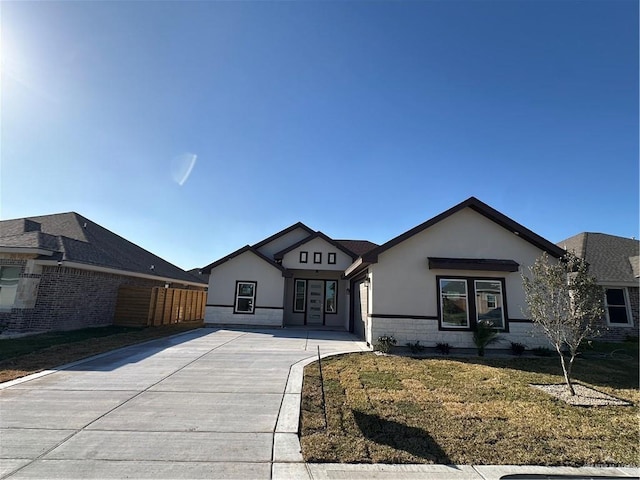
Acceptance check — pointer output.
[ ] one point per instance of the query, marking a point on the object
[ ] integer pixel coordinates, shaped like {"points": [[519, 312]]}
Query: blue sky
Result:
{"points": [[195, 128]]}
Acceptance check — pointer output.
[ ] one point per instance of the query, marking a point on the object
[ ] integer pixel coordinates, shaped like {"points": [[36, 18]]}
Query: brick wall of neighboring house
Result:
{"points": [[620, 334], [70, 298]]}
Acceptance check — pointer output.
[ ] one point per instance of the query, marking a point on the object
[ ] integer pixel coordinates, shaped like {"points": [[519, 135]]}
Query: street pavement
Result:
{"points": [[209, 403]]}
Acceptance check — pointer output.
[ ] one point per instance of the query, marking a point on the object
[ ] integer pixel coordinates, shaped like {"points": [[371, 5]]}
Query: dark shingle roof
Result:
{"points": [[359, 247], [78, 239], [610, 258]]}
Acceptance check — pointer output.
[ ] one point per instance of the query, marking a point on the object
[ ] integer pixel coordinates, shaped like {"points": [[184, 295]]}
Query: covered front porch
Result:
{"points": [[316, 299]]}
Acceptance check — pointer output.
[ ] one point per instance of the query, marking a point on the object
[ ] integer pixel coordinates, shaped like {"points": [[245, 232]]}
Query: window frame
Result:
{"points": [[18, 268], [495, 301], [295, 295], [335, 298], [238, 297], [471, 305], [317, 258], [627, 307], [331, 258], [304, 256], [440, 302]]}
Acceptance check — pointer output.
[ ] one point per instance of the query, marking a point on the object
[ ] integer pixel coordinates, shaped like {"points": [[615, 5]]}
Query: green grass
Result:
{"points": [[30, 354], [14, 347], [387, 409]]}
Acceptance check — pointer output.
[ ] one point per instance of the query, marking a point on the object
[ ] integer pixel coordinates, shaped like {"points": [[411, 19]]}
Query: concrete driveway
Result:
{"points": [[205, 404]]}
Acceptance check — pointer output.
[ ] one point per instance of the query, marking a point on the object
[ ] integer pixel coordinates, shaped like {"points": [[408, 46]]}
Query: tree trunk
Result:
{"points": [[567, 372]]}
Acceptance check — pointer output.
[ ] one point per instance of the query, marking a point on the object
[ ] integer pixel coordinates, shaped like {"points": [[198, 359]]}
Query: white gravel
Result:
{"points": [[584, 397]]}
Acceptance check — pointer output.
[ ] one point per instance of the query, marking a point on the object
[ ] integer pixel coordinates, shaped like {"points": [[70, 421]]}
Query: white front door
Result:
{"points": [[315, 302]]}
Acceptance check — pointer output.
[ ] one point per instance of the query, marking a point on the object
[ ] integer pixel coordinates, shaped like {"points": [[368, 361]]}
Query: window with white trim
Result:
{"points": [[300, 296], [245, 297], [9, 277], [616, 303]]}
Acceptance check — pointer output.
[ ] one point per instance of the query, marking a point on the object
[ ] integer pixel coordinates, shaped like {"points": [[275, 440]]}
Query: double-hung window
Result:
{"points": [[466, 301], [616, 305], [9, 277], [245, 297]]}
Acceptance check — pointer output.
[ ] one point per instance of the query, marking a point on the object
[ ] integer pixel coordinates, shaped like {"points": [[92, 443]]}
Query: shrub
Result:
{"points": [[484, 334], [385, 343], [517, 348], [415, 347], [443, 348], [542, 352]]}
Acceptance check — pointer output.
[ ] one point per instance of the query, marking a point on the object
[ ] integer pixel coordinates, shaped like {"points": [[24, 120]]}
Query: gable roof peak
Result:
{"points": [[481, 208]]}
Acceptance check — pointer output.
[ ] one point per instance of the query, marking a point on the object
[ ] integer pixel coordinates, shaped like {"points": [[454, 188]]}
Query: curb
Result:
{"points": [[287, 461]]}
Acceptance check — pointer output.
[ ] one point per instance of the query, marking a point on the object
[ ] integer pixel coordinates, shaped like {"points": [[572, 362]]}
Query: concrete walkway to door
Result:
{"points": [[205, 404]]}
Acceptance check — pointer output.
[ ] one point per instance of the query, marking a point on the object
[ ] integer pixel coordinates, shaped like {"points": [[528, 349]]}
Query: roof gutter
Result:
{"points": [[114, 271], [26, 250]]}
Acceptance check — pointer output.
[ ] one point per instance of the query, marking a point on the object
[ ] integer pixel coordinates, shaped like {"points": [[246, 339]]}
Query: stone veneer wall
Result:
{"points": [[69, 298], [263, 317], [407, 330]]}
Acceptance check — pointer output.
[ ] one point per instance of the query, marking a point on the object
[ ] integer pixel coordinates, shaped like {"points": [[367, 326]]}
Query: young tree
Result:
{"points": [[566, 302]]}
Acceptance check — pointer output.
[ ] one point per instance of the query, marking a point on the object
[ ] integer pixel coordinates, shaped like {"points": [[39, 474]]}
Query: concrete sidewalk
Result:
{"points": [[204, 404]]}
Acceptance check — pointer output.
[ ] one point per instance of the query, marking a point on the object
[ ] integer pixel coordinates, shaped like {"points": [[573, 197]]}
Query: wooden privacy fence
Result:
{"points": [[139, 306]]}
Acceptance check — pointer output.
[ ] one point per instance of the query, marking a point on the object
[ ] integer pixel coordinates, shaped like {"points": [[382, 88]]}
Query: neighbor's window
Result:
{"points": [[245, 297], [8, 285], [331, 296], [454, 303], [303, 257], [317, 257], [331, 258], [300, 296], [616, 306], [489, 302]]}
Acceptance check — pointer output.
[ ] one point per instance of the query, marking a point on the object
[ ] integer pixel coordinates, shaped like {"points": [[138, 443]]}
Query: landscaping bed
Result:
{"points": [[470, 410], [34, 353]]}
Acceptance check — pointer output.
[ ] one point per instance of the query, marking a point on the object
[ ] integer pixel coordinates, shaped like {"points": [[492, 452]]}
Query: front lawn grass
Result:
{"points": [[34, 353], [482, 411]]}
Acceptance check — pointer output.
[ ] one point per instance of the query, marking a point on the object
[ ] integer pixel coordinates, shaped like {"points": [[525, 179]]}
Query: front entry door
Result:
{"points": [[315, 302]]}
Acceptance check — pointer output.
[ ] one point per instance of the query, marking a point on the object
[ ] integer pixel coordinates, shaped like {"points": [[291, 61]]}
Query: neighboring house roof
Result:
{"points": [[359, 247], [71, 237], [247, 248], [279, 255], [611, 259], [482, 208], [197, 273]]}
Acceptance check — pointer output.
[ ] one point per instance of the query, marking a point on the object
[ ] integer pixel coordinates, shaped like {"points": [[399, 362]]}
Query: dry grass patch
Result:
{"points": [[392, 409], [31, 354]]}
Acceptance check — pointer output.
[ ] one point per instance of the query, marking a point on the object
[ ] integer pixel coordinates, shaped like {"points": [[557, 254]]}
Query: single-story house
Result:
{"points": [[63, 271], [430, 284], [615, 262]]}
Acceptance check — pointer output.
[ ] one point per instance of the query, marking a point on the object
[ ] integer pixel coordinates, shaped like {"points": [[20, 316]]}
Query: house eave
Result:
{"points": [[26, 251], [114, 271], [356, 267]]}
